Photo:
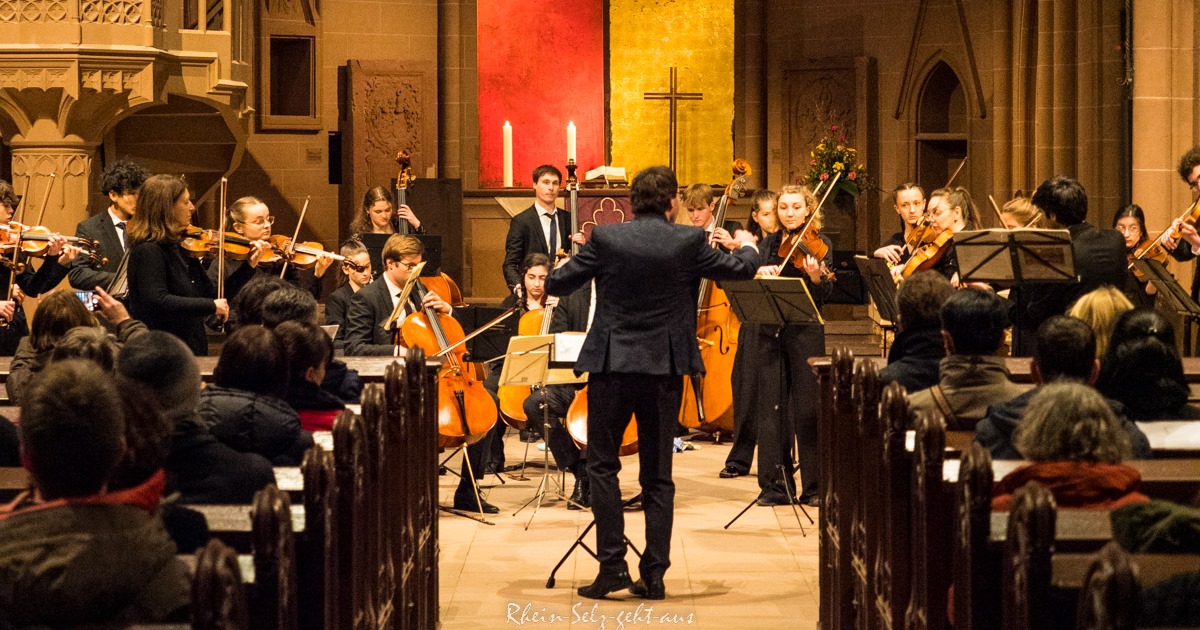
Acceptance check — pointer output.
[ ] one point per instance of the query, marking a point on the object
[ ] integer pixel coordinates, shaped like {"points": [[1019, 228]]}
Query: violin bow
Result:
{"points": [[291, 248], [812, 217], [221, 243], [46, 199], [957, 171], [478, 331], [999, 215], [17, 246], [413, 276], [1037, 215]]}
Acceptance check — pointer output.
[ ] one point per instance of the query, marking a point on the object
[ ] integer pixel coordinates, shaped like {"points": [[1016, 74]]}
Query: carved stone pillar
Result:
{"points": [[33, 161]]}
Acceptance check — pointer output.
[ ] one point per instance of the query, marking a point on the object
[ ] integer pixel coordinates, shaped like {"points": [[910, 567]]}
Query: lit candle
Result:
{"points": [[570, 142], [508, 181]]}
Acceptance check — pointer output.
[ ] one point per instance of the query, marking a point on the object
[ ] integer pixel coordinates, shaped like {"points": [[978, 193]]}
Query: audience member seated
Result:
{"points": [[289, 304], [1142, 369], [58, 313], [971, 377], [1076, 447], [200, 467], [246, 307], [308, 351], [1100, 309], [918, 348], [80, 557], [244, 405], [1065, 351]]}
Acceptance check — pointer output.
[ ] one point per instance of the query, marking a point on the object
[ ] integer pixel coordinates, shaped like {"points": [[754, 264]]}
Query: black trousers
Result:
{"points": [[612, 400], [746, 376], [558, 440], [785, 406], [481, 452]]}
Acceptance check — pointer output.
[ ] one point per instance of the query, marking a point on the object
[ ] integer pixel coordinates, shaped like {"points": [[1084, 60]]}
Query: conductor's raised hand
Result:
{"points": [[742, 238]]}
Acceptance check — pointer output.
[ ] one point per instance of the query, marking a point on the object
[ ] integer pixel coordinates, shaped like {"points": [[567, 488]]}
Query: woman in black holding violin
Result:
{"points": [[950, 212], [1130, 221], [781, 356], [168, 290]]}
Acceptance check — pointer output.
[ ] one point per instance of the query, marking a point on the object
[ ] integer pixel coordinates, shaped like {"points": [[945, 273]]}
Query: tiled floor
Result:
{"points": [[760, 573]]}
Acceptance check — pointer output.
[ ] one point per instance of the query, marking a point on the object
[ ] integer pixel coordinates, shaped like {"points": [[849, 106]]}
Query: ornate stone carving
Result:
{"points": [[33, 78], [33, 10], [111, 11]]}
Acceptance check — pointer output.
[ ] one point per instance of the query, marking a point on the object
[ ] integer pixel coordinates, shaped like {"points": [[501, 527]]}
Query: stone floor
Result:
{"points": [[760, 573]]}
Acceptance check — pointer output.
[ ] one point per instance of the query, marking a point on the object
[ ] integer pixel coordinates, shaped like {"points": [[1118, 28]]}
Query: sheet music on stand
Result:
{"points": [[1007, 257], [1177, 299], [542, 360], [880, 286]]}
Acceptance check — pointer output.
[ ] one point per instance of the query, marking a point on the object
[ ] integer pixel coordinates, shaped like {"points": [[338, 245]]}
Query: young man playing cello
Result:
{"points": [[641, 342]]}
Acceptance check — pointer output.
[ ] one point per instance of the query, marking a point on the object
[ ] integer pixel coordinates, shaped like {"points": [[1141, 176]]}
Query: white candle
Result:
{"points": [[570, 141], [508, 180]]}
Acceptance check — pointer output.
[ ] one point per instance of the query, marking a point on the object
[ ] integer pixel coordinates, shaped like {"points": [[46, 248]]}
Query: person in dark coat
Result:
{"points": [[120, 183], [641, 342], [918, 348], [308, 351], [1142, 369], [530, 230], [200, 467], [168, 290], [244, 405], [1066, 350], [1099, 260]]}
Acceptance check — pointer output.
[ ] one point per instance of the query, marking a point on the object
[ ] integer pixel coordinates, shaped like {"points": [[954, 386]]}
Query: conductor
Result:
{"points": [[641, 343]]}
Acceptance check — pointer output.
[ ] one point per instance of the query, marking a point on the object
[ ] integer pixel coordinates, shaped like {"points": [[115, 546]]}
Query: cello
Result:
{"points": [[512, 397], [466, 411], [707, 402]]}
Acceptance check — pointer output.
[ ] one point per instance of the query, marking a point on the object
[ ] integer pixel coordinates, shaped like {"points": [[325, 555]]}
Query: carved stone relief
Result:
{"points": [[112, 11], [33, 10]]}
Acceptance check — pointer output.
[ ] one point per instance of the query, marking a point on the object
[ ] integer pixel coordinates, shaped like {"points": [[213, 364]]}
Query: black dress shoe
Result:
{"points": [[811, 501], [529, 436], [469, 505], [730, 472], [649, 588], [606, 583], [577, 496], [774, 497]]}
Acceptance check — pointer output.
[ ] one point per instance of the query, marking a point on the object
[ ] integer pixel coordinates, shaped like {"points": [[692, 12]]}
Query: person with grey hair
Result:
{"points": [[1076, 445], [83, 557], [200, 467]]}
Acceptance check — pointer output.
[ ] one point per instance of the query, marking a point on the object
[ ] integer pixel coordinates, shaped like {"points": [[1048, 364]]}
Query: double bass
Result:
{"points": [[707, 402]]}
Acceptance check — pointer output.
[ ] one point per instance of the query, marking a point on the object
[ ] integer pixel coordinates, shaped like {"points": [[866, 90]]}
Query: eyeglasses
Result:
{"points": [[1130, 229], [260, 223], [410, 265]]}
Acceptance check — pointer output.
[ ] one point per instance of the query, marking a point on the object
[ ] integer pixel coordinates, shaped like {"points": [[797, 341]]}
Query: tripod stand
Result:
{"points": [[776, 302], [579, 542]]}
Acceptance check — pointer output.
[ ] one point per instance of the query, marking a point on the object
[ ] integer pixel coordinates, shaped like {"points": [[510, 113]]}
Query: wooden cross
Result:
{"points": [[673, 97]]}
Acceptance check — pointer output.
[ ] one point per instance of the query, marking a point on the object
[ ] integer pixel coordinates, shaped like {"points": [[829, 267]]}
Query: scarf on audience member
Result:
{"points": [[145, 495], [1075, 485]]}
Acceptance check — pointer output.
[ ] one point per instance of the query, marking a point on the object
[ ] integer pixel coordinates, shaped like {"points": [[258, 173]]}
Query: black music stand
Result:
{"points": [[1177, 299], [881, 286], [775, 301]]}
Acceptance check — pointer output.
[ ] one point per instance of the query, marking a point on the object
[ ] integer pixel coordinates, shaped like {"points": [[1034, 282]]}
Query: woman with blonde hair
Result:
{"points": [[1076, 446], [1100, 310]]}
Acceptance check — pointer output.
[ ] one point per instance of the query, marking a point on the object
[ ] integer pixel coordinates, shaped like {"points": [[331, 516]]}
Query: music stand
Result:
{"points": [[881, 286], [775, 301], [538, 361], [1178, 299], [1008, 257]]}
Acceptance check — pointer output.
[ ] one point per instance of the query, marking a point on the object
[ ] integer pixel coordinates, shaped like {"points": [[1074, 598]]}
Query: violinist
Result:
{"points": [[908, 200], [780, 357], [252, 220], [371, 307], [1186, 245], [167, 290], [1019, 212], [119, 183], [1130, 221], [352, 280], [951, 210]]}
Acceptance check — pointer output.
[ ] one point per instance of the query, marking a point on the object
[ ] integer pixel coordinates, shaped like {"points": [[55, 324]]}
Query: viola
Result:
{"points": [[35, 241], [512, 397], [577, 419], [1149, 250], [305, 255], [466, 411], [928, 254]]}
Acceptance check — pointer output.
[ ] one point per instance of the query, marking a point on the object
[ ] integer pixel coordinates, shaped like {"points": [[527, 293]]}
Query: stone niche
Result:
{"points": [[391, 105], [819, 94]]}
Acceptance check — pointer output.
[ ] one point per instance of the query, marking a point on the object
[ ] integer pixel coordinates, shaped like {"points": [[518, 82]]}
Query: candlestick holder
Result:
{"points": [[571, 167]]}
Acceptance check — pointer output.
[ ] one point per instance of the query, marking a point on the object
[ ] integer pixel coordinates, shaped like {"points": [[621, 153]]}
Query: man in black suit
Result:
{"points": [[1099, 260], [120, 183], [531, 230], [1188, 245], [641, 342]]}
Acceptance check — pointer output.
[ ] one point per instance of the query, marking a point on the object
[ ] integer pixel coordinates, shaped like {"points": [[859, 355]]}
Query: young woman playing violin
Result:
{"points": [[781, 357], [950, 211], [908, 200], [1130, 221], [168, 290]]}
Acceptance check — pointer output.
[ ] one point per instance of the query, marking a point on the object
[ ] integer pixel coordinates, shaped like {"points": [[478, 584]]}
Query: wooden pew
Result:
{"points": [[218, 597]]}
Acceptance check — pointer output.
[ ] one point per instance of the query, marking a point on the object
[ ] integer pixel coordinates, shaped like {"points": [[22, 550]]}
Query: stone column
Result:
{"points": [[33, 161]]}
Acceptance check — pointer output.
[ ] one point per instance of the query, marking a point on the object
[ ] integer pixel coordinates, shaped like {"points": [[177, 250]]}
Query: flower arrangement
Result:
{"points": [[832, 156]]}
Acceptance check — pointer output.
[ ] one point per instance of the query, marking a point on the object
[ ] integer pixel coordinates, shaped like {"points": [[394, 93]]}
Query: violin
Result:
{"points": [[466, 411], [1190, 216], [305, 255], [1149, 250], [928, 254], [201, 243], [807, 242], [35, 241]]}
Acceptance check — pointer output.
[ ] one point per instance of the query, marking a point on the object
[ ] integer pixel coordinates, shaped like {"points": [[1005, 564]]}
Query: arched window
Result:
{"points": [[941, 128]]}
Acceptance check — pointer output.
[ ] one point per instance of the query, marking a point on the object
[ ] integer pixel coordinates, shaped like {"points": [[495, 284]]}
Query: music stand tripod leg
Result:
{"points": [[579, 542], [547, 479], [474, 489]]}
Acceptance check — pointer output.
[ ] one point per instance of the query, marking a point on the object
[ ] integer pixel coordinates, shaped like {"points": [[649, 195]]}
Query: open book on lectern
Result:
{"points": [[1007, 257]]}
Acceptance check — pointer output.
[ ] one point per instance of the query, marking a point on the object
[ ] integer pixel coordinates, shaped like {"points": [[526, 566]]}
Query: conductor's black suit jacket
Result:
{"points": [[647, 276], [526, 236]]}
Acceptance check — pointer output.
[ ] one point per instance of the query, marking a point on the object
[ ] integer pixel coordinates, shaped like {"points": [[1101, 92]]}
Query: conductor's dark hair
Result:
{"points": [[1065, 348], [544, 169], [920, 299], [72, 428], [1062, 199], [253, 360], [652, 190], [288, 304], [122, 177], [975, 320], [1189, 161]]}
